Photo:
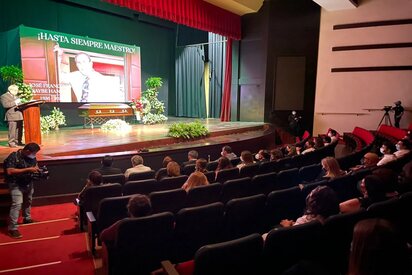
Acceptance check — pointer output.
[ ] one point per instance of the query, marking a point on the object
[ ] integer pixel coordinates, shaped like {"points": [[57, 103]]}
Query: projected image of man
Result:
{"points": [[87, 85]]}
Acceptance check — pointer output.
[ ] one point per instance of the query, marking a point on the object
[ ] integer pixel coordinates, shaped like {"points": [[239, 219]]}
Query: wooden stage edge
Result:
{"points": [[78, 143]]}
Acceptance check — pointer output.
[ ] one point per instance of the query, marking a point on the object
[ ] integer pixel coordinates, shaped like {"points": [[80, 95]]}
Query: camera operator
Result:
{"points": [[20, 166], [398, 109]]}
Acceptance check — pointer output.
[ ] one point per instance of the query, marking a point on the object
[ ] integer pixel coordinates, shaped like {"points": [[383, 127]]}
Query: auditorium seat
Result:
{"points": [[287, 178], [144, 187], [168, 201], [239, 256], [389, 209], [284, 204], [250, 170], [140, 245], [197, 226], [170, 183], [345, 187], [406, 207], [161, 173], [92, 197], [235, 161], [203, 195], [110, 211], [287, 246], [264, 183], [307, 188], [188, 169], [268, 167], [115, 178], [244, 216], [236, 188], [227, 174], [212, 165], [309, 173], [142, 175], [338, 232], [210, 175]]}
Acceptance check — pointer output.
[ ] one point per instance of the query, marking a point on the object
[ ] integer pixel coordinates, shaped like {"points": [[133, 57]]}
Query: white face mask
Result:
{"points": [[382, 150], [398, 147], [257, 156], [329, 134], [31, 156], [222, 154]]}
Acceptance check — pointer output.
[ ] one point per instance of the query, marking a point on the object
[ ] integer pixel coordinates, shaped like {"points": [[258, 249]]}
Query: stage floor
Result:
{"points": [[77, 141]]}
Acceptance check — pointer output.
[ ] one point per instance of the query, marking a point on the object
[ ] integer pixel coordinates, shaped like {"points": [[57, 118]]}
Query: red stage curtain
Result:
{"points": [[193, 13], [225, 113]]}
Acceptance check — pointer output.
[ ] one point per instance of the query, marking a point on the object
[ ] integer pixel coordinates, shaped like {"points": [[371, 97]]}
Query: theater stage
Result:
{"points": [[79, 142]]}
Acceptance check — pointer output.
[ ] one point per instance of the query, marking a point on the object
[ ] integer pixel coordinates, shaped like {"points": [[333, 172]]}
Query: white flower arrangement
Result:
{"points": [[116, 125]]}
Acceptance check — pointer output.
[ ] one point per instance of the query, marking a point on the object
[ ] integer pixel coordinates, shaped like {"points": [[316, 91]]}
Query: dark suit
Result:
{"points": [[14, 118]]}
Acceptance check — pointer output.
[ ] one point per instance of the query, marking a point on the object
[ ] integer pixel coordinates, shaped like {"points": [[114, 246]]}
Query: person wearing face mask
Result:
{"points": [[402, 148], [14, 117], [19, 167], [387, 151]]}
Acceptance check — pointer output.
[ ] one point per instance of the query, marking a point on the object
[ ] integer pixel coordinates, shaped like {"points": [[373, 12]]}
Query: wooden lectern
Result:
{"points": [[31, 119]]}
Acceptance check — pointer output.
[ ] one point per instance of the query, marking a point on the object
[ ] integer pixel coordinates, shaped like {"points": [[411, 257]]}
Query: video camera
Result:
{"points": [[43, 173], [387, 108]]}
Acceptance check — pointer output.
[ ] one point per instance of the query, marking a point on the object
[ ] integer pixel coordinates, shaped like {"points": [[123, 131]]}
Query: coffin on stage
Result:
{"points": [[99, 113]]}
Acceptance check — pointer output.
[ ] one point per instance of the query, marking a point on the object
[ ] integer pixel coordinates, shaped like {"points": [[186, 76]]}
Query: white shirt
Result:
{"points": [[401, 153], [386, 159]]}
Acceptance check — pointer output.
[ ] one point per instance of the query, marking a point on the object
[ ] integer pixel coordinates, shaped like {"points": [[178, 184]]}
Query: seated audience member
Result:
{"points": [[405, 179], [107, 168], [160, 174], [195, 179], [191, 158], [94, 179], [378, 248], [275, 154], [334, 137], [166, 161], [389, 179], [309, 147], [330, 169], [201, 165], [227, 152], [246, 158], [327, 140], [222, 164], [318, 142], [321, 203], [387, 151], [138, 206], [138, 167], [403, 147], [372, 189], [173, 169], [369, 160], [291, 151], [263, 156]]}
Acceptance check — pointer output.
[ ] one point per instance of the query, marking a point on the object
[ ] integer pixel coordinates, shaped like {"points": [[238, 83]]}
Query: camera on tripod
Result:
{"points": [[43, 173], [387, 108]]}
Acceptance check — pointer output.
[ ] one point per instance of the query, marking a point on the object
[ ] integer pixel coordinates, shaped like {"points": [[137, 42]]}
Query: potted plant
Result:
{"points": [[14, 75]]}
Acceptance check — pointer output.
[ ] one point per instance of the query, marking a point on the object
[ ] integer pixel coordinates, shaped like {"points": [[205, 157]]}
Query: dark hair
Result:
{"points": [[107, 160], [389, 145], [276, 154], [139, 206], [327, 139], [311, 143], [32, 147], [227, 149], [166, 161], [322, 201], [318, 141], [95, 177], [247, 157], [388, 177], [333, 132], [265, 154], [377, 248], [201, 165], [375, 188], [406, 143], [223, 163]]}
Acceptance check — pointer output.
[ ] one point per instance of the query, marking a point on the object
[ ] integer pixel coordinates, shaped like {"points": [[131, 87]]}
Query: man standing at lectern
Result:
{"points": [[13, 116]]}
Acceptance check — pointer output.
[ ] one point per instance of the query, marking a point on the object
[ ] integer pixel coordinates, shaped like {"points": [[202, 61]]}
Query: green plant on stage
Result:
{"points": [[116, 125], [52, 121], [14, 75], [188, 130], [152, 110]]}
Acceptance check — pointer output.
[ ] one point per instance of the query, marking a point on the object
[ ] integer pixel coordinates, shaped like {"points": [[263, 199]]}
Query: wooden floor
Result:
{"points": [[77, 141]]}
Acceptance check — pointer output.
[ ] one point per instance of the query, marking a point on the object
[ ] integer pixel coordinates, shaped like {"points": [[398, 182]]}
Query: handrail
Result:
{"points": [[336, 113]]}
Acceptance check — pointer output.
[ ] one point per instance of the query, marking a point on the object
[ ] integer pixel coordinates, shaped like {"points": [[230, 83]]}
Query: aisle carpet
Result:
{"points": [[53, 245]]}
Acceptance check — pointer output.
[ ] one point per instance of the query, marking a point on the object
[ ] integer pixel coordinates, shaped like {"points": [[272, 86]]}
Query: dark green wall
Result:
{"points": [[93, 18]]}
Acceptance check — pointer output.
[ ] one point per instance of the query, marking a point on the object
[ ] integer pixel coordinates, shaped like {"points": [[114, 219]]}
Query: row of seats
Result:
{"points": [[177, 238]]}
